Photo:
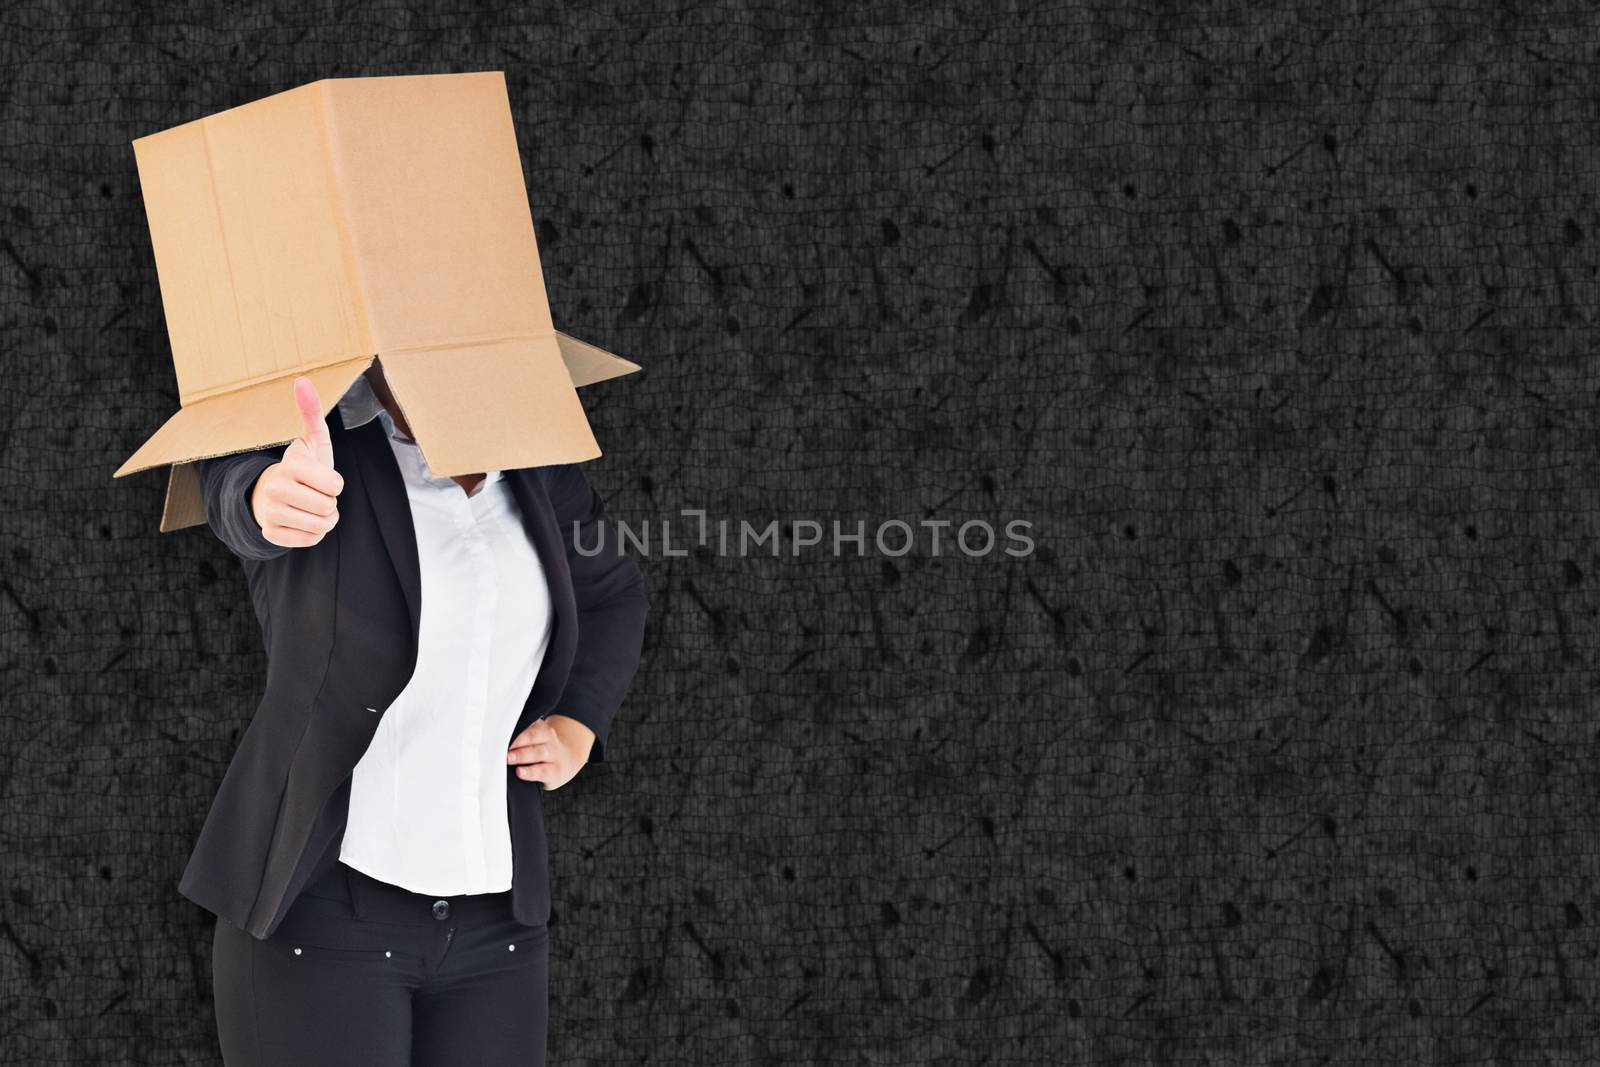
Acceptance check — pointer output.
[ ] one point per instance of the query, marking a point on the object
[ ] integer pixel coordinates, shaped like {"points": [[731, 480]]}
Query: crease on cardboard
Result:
{"points": [[607, 366], [355, 277], [472, 341], [619, 365], [227, 257], [268, 376]]}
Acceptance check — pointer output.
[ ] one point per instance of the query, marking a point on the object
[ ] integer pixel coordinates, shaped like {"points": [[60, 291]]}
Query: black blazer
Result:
{"points": [[340, 621]]}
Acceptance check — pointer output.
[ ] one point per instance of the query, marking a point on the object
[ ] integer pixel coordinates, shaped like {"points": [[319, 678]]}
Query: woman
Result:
{"points": [[441, 652]]}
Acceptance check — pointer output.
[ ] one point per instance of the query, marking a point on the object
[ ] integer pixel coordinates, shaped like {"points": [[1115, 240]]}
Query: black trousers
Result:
{"points": [[363, 972]]}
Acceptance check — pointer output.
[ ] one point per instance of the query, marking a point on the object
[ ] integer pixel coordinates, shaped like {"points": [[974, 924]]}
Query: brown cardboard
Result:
{"points": [[345, 220]]}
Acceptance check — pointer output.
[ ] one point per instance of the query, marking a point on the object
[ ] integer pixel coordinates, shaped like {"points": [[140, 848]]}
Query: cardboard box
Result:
{"points": [[348, 220]]}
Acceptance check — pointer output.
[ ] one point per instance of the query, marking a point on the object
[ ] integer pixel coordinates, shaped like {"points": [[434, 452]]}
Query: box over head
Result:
{"points": [[351, 219]]}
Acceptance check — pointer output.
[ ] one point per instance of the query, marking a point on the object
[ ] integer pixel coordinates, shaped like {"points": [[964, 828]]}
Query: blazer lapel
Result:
{"points": [[539, 519], [391, 507]]}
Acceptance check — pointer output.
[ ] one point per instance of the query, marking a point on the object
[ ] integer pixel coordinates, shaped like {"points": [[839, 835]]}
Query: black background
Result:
{"points": [[1278, 324]]}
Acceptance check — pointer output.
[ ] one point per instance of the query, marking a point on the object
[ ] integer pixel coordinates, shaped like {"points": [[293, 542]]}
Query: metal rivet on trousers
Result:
{"points": [[297, 952], [388, 955], [511, 948]]}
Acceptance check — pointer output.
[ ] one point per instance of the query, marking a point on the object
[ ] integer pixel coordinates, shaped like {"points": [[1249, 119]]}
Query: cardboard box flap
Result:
{"points": [[253, 417], [184, 507], [316, 229], [495, 405], [588, 364], [445, 379]]}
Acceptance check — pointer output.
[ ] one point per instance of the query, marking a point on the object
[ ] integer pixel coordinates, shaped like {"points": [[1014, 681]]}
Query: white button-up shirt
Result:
{"points": [[428, 798]]}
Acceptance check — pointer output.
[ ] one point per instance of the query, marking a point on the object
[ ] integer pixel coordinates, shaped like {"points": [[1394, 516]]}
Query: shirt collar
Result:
{"points": [[360, 405]]}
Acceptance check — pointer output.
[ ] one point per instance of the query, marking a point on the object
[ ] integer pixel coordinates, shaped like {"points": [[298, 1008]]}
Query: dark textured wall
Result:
{"points": [[1279, 325]]}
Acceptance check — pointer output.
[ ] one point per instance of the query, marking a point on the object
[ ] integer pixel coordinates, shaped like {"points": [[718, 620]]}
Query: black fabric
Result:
{"points": [[340, 619], [360, 972]]}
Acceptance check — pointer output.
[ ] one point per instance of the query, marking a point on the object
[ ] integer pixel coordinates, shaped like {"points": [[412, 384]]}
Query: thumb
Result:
{"points": [[313, 429]]}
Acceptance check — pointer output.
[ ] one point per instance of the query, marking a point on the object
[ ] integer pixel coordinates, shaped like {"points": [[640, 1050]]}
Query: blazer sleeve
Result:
{"points": [[610, 593], [226, 483]]}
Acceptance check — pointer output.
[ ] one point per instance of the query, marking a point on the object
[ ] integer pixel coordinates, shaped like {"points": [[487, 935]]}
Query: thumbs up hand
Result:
{"points": [[295, 501], [314, 439]]}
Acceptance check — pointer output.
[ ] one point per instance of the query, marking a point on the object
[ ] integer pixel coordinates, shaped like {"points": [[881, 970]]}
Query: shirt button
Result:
{"points": [[441, 909]]}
